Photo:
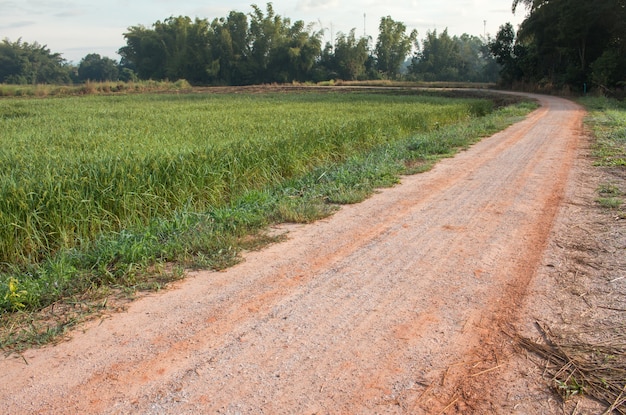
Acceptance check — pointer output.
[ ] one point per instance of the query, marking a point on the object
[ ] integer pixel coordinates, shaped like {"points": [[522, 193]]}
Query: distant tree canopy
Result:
{"points": [[261, 47], [93, 67], [565, 42], [457, 59], [393, 46], [31, 63], [254, 48], [347, 60]]}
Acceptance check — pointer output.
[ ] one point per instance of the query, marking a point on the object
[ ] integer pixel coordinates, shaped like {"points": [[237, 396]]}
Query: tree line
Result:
{"points": [[255, 48], [574, 44], [561, 44]]}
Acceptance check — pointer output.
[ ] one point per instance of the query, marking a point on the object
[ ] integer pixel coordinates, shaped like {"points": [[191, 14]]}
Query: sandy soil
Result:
{"points": [[396, 305]]}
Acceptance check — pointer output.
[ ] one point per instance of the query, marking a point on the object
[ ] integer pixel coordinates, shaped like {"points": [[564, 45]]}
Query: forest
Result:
{"points": [[573, 44], [562, 44]]}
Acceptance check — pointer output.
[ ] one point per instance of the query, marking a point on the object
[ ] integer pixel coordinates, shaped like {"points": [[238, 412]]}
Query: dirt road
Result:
{"points": [[394, 305]]}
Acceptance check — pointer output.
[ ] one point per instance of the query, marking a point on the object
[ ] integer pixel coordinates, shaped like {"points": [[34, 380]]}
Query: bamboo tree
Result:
{"points": [[393, 46]]}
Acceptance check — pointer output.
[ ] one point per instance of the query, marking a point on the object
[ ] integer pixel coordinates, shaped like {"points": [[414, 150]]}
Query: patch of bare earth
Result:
{"points": [[399, 304]]}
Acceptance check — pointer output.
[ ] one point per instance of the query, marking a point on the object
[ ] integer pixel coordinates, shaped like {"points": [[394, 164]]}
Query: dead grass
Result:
{"points": [[597, 371]]}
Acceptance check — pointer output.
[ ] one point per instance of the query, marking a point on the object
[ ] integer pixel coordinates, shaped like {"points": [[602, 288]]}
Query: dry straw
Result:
{"points": [[597, 371]]}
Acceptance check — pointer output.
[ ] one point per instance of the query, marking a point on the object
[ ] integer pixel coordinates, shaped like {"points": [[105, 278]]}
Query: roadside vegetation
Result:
{"points": [[607, 118], [105, 196]]}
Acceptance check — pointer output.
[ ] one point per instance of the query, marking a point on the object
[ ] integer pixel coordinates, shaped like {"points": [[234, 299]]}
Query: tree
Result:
{"points": [[263, 36], [281, 52], [462, 59], [475, 61], [145, 52], [439, 58], [31, 63], [186, 48], [350, 56], [294, 53], [93, 67], [177, 48], [502, 49], [230, 50], [571, 42], [393, 46]]}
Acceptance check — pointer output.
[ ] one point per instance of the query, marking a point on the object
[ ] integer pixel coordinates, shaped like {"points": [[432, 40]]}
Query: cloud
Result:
{"points": [[313, 5], [70, 13], [17, 25], [25, 10]]}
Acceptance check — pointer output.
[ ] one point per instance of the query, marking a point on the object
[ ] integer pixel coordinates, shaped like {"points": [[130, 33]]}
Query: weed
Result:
{"points": [[607, 118], [609, 189], [609, 202], [14, 295], [570, 388]]}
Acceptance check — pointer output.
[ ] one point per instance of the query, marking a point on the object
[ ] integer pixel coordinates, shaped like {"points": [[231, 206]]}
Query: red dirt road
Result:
{"points": [[394, 305]]}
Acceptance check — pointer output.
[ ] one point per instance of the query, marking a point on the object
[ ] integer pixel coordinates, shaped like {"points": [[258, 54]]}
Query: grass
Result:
{"points": [[607, 119], [91, 88], [100, 194], [79, 167]]}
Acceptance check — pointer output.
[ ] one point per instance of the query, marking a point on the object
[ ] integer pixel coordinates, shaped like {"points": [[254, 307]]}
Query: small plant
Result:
{"points": [[570, 388], [609, 189], [609, 202], [15, 295]]}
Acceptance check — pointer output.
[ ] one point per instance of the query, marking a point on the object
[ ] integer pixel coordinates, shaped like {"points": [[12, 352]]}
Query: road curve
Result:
{"points": [[394, 305]]}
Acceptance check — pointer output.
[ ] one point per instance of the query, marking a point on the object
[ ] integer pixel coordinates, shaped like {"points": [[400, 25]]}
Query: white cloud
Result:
{"points": [[315, 5], [17, 25]]}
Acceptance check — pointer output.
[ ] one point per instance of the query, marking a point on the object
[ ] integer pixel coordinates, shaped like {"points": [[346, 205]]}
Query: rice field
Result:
{"points": [[76, 167]]}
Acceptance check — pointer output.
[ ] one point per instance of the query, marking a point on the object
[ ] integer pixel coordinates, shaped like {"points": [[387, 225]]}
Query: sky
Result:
{"points": [[76, 28]]}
